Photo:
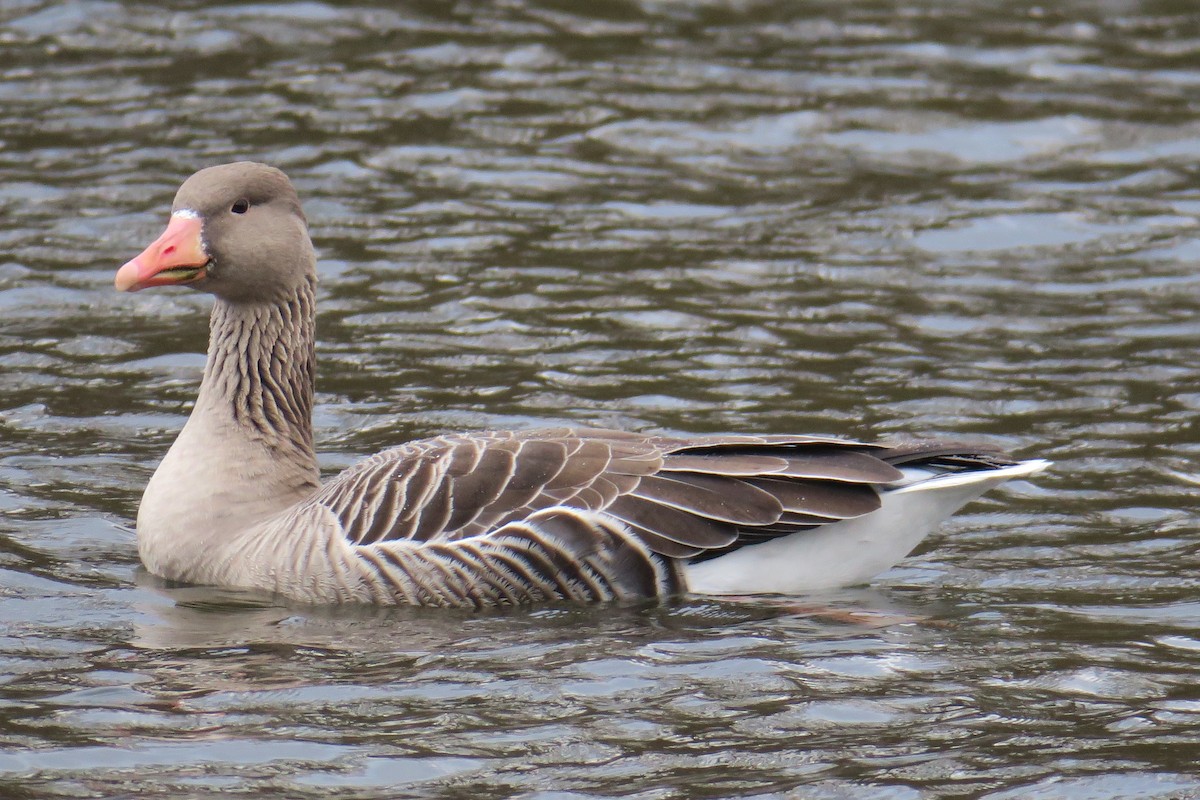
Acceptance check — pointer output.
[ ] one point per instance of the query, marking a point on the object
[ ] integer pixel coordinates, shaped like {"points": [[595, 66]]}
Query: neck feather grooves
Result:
{"points": [[261, 362]]}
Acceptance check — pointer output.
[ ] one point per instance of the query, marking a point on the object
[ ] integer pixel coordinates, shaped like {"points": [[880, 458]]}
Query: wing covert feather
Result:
{"points": [[680, 497]]}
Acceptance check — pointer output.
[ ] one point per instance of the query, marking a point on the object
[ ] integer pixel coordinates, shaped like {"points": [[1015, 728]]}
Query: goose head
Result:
{"points": [[236, 231]]}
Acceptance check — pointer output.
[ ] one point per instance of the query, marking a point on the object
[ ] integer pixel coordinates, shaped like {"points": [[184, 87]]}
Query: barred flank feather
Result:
{"points": [[554, 554]]}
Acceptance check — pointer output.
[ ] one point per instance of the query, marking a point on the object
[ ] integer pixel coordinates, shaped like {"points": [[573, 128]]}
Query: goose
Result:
{"points": [[480, 519]]}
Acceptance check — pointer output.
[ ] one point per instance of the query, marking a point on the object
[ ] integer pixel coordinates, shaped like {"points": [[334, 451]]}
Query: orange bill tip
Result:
{"points": [[177, 257]]}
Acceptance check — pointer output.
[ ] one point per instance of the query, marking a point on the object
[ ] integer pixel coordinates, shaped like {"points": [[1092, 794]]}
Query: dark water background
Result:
{"points": [[967, 218]]}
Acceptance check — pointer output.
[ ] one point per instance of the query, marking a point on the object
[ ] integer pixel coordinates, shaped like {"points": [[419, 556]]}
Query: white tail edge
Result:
{"points": [[855, 550]]}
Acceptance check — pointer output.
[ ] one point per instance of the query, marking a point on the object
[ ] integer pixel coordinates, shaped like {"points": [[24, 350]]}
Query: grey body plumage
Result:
{"points": [[484, 518]]}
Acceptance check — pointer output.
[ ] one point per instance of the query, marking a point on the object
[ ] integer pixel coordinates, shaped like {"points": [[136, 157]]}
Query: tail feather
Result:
{"points": [[853, 550]]}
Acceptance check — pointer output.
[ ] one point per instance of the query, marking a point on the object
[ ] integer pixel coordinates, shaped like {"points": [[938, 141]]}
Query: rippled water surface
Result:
{"points": [[967, 219]]}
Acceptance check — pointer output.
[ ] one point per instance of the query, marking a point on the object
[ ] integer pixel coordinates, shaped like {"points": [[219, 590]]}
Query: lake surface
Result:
{"points": [[967, 219]]}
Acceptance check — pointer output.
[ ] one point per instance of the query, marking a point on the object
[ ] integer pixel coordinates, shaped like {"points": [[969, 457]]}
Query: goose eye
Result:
{"points": [[241, 207]]}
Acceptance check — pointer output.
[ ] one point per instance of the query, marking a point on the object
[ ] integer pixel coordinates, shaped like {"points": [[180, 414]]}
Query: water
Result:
{"points": [[956, 219]]}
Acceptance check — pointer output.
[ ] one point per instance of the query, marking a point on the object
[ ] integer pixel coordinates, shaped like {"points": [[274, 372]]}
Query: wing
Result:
{"points": [[682, 498], [458, 486]]}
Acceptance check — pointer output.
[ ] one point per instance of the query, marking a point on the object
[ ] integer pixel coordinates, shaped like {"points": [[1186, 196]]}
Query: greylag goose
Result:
{"points": [[481, 519]]}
